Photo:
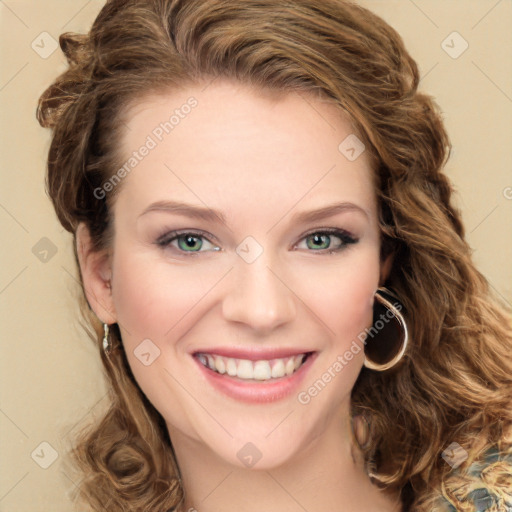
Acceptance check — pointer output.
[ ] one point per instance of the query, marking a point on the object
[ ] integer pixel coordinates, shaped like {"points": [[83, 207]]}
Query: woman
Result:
{"points": [[277, 281]]}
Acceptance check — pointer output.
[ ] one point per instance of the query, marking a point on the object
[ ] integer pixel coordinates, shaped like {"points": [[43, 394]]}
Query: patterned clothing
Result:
{"points": [[486, 486]]}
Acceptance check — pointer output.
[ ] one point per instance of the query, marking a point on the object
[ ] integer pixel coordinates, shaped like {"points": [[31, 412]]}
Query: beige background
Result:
{"points": [[51, 379]]}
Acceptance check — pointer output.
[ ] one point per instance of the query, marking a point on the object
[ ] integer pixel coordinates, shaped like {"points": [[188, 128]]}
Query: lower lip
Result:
{"points": [[257, 392]]}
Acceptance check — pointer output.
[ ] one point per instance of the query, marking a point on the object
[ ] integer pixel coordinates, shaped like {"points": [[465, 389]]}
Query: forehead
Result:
{"points": [[227, 137]]}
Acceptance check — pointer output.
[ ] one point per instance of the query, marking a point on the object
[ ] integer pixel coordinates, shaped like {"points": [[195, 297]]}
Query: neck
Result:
{"points": [[327, 475]]}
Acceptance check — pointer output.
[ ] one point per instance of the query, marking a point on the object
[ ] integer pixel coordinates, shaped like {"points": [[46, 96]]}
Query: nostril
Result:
{"points": [[261, 302]]}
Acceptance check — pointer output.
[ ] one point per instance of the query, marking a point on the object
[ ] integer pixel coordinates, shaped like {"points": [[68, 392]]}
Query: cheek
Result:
{"points": [[156, 300], [346, 307], [159, 302]]}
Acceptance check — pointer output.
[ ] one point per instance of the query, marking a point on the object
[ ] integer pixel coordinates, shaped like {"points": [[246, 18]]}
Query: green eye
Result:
{"points": [[189, 243], [186, 242], [319, 241], [328, 240]]}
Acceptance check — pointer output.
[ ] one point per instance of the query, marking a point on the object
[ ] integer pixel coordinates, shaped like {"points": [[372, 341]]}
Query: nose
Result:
{"points": [[258, 296]]}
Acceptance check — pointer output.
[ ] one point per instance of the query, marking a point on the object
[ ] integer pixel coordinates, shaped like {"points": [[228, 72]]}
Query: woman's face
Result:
{"points": [[246, 240]]}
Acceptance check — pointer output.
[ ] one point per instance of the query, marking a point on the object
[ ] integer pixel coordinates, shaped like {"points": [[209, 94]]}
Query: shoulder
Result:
{"points": [[484, 486]]}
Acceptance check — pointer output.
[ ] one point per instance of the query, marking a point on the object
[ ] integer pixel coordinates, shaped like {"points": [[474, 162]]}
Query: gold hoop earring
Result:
{"points": [[107, 342], [389, 333]]}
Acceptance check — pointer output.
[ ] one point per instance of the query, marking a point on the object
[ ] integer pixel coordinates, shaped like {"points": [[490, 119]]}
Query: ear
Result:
{"points": [[96, 270], [385, 268]]}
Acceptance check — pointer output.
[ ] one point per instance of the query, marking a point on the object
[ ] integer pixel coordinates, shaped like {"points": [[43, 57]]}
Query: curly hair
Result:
{"points": [[454, 381]]}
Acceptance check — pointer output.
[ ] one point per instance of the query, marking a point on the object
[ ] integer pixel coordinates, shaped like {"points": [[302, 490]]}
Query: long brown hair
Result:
{"points": [[454, 382]]}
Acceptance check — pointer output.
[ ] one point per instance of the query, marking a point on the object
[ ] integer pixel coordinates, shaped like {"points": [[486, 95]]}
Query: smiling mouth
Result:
{"points": [[245, 369]]}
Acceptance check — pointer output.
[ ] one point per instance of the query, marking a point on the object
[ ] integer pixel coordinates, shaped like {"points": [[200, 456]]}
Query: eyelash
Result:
{"points": [[345, 237]]}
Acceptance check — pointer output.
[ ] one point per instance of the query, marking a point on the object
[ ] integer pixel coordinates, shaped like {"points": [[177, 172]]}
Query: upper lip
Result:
{"points": [[254, 354]]}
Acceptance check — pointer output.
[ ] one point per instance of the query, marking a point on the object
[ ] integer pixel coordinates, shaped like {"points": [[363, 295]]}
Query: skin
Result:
{"points": [[259, 159]]}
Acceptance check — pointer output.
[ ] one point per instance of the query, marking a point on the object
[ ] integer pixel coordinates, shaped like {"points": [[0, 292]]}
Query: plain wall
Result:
{"points": [[51, 377]]}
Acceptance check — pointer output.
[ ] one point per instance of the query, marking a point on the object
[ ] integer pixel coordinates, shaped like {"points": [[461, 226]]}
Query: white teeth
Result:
{"points": [[231, 367], [220, 365], [258, 370], [289, 366], [278, 369], [245, 369], [262, 370]]}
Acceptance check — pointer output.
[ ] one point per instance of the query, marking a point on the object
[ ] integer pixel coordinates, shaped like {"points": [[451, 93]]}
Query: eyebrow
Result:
{"points": [[328, 211], [211, 215], [188, 210]]}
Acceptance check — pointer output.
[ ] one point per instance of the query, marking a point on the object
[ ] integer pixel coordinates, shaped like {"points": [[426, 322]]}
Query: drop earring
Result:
{"points": [[107, 343]]}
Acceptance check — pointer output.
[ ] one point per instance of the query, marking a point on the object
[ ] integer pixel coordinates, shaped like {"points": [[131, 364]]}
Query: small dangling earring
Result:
{"points": [[389, 346], [107, 343]]}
